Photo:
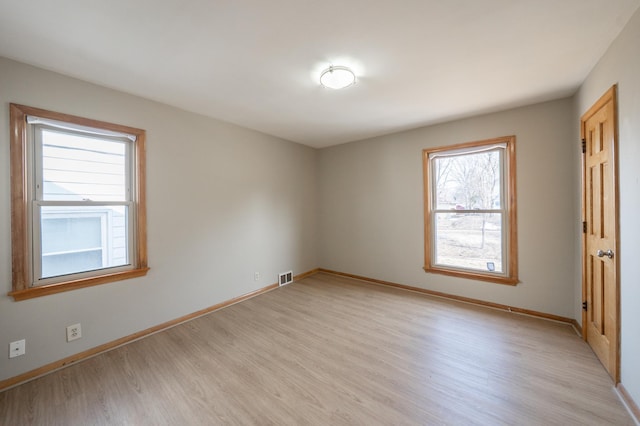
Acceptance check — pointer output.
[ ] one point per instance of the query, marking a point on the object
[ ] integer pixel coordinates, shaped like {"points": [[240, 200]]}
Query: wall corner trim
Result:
{"points": [[628, 402], [577, 327], [463, 299]]}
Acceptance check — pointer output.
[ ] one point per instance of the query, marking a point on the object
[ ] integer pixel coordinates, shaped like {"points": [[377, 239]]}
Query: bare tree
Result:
{"points": [[443, 169], [472, 180]]}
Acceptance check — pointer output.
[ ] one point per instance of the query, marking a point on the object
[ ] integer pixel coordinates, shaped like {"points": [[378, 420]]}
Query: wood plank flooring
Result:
{"points": [[329, 350]]}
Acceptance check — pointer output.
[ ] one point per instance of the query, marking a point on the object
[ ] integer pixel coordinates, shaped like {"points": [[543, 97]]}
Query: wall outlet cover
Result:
{"points": [[74, 332], [17, 348]]}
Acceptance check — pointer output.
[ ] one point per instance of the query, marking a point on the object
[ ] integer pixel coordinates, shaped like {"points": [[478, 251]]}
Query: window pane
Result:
{"points": [[85, 232], [468, 181], [82, 168], [83, 238], [469, 241], [54, 265]]}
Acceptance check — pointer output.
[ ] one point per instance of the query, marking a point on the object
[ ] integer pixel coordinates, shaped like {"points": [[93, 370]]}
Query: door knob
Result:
{"points": [[607, 253]]}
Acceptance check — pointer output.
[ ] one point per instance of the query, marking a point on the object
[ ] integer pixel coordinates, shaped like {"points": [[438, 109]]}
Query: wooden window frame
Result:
{"points": [[21, 259], [510, 277]]}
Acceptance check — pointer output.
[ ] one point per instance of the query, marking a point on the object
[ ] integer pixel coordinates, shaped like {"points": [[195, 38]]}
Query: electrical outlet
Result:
{"points": [[17, 348], [256, 276], [74, 332]]}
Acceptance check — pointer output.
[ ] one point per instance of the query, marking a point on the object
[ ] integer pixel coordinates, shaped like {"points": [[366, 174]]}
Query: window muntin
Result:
{"points": [[470, 210], [78, 205]]}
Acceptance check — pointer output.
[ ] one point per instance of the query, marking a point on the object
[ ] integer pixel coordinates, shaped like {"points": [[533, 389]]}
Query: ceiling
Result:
{"points": [[256, 63]]}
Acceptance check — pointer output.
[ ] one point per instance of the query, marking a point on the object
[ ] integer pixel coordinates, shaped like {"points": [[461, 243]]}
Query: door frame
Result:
{"points": [[609, 95]]}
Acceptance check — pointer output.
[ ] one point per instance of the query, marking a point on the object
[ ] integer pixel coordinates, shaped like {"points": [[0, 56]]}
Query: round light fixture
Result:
{"points": [[337, 77]]}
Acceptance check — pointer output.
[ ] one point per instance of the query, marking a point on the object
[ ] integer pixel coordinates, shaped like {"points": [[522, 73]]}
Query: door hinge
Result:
{"points": [[584, 305], [584, 227], [584, 146]]}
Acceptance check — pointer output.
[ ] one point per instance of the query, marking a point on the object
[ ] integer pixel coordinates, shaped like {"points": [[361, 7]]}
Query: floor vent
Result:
{"points": [[286, 278]]}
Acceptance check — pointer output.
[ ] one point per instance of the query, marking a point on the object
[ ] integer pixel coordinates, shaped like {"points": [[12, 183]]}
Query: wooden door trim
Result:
{"points": [[609, 95]]}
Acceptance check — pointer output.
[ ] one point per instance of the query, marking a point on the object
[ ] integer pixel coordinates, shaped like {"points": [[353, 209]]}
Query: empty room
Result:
{"points": [[321, 213]]}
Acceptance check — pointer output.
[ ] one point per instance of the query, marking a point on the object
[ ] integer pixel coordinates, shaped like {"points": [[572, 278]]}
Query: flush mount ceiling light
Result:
{"points": [[337, 77]]}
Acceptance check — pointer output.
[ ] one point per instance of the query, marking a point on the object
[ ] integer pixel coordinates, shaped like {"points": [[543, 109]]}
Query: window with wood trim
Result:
{"points": [[470, 210], [78, 213]]}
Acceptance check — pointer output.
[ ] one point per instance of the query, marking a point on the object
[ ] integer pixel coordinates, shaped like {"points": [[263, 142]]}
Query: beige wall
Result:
{"points": [[223, 202], [220, 209], [621, 65], [371, 206]]}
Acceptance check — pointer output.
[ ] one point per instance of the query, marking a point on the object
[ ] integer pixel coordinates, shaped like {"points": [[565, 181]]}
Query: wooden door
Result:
{"points": [[600, 320]]}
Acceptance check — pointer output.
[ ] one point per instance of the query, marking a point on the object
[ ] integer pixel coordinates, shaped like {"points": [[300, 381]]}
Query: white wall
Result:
{"points": [[371, 206], [621, 65], [223, 202]]}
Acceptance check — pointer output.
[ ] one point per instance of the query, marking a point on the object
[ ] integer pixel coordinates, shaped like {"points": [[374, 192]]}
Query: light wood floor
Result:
{"points": [[329, 351]]}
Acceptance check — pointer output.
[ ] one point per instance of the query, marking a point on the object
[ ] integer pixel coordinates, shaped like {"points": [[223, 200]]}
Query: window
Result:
{"points": [[470, 210], [78, 205]]}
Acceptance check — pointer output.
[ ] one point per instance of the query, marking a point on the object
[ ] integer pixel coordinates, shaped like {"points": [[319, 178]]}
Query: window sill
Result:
{"points": [[46, 290], [474, 276]]}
